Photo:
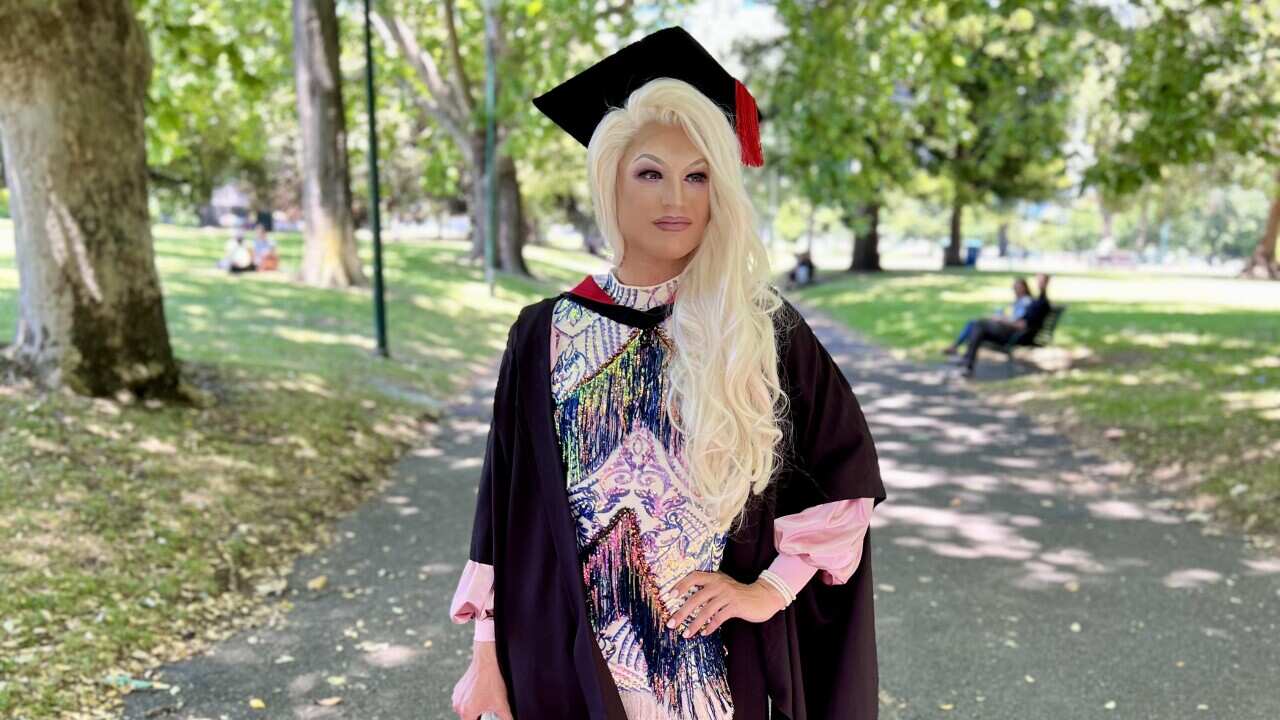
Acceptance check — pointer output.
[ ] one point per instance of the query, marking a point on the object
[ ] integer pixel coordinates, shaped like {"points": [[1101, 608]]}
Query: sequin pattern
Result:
{"points": [[639, 529]]}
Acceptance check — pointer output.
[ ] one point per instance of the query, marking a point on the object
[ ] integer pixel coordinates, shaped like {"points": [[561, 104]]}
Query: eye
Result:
{"points": [[645, 173], [703, 177]]}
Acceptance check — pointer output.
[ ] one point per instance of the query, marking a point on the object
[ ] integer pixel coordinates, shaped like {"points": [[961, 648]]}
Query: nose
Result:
{"points": [[672, 192]]}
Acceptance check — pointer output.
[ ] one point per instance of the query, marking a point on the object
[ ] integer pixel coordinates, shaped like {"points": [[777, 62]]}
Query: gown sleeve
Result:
{"points": [[825, 664], [473, 599], [831, 451]]}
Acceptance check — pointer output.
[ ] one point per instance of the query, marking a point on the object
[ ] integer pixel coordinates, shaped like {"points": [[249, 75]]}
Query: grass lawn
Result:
{"points": [[1181, 375], [137, 533]]}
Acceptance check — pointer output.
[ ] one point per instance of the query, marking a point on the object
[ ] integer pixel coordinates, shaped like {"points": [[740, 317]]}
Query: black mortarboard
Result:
{"points": [[578, 104]]}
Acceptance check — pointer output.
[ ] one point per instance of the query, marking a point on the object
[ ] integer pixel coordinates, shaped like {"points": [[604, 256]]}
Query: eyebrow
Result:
{"points": [[651, 157]]}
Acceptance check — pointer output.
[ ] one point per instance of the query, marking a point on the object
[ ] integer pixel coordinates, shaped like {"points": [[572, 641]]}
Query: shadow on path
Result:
{"points": [[1016, 579]]}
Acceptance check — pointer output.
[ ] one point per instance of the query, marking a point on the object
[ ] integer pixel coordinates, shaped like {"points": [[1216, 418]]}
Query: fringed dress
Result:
{"points": [[639, 528]]}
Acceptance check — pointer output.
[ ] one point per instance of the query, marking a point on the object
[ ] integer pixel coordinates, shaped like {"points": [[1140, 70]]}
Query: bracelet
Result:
{"points": [[779, 584]]}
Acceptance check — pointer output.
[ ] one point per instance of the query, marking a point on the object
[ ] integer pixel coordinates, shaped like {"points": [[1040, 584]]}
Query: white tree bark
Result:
{"points": [[73, 79], [329, 255]]}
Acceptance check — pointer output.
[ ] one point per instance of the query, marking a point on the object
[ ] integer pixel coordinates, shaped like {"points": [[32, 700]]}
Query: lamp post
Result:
{"points": [[375, 201], [490, 161]]}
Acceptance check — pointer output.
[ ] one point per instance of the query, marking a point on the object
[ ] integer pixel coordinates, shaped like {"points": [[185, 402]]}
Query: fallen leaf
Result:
{"points": [[257, 704], [329, 701], [318, 583]]}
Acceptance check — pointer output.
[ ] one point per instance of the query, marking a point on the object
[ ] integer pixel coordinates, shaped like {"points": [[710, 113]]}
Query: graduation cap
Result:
{"points": [[578, 104]]}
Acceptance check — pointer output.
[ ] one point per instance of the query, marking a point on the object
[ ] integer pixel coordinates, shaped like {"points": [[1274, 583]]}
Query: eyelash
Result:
{"points": [[655, 172]]}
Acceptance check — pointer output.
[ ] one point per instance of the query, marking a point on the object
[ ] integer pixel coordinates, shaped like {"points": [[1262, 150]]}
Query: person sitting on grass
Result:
{"points": [[1001, 331], [1022, 299], [264, 251], [238, 257]]}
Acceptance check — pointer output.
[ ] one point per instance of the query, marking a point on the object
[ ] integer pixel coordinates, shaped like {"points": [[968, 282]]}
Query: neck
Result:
{"points": [[649, 273]]}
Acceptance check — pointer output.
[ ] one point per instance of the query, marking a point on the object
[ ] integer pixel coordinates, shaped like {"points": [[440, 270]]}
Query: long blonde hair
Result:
{"points": [[724, 394]]}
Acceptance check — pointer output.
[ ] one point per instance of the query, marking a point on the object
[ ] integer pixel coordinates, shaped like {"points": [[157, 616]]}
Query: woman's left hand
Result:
{"points": [[718, 598]]}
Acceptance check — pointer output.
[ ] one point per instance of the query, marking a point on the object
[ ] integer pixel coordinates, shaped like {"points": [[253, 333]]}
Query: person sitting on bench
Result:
{"points": [[1022, 299], [1002, 331]]}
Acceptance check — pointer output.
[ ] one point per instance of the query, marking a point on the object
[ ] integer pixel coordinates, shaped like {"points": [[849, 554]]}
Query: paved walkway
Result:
{"points": [[1017, 579]]}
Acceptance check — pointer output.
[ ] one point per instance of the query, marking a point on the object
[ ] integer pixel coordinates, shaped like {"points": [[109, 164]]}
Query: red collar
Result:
{"points": [[589, 289]]}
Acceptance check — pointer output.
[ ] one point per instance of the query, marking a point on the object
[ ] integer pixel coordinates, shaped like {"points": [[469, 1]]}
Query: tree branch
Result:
{"points": [[620, 9], [440, 101], [461, 85]]}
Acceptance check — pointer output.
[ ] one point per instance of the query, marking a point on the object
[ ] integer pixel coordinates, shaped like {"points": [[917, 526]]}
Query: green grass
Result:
{"points": [[1185, 367], [136, 533]]}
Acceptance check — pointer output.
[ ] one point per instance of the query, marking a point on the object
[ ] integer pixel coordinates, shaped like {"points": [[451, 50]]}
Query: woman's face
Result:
{"points": [[662, 177]]}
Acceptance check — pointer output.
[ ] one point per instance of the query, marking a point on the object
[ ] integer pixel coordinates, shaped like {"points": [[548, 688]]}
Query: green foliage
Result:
{"points": [[866, 96], [221, 100], [544, 42], [1184, 83]]}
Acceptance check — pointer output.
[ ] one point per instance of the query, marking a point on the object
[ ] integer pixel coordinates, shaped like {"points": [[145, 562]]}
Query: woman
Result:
{"points": [[673, 455], [1022, 300]]}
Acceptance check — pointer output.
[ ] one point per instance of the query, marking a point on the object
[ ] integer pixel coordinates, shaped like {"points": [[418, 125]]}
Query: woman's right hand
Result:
{"points": [[481, 688]]}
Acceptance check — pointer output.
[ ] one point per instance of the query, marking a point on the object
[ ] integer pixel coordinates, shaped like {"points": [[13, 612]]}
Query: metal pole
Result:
{"points": [[375, 203], [490, 161]]}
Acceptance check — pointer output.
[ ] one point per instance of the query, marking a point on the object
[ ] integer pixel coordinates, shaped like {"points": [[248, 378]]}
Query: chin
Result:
{"points": [[671, 248]]}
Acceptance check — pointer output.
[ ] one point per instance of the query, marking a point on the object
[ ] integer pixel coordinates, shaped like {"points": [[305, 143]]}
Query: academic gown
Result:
{"points": [[816, 658]]}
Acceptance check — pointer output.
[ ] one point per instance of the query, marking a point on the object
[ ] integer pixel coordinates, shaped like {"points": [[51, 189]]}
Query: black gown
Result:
{"points": [[816, 659]]}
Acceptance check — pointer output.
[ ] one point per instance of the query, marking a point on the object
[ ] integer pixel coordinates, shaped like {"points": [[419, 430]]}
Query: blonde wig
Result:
{"points": [[724, 395]]}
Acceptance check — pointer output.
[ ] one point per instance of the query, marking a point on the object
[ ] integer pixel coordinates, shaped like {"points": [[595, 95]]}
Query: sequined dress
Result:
{"points": [[639, 529]]}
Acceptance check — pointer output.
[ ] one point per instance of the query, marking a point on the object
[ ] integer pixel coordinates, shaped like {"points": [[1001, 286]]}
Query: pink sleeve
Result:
{"points": [[825, 538], [473, 599]]}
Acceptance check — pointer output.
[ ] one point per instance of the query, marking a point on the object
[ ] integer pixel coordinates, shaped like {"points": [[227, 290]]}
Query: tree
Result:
{"points": [[1193, 81], [992, 102], [539, 43], [73, 81], [836, 119], [221, 103], [329, 257]]}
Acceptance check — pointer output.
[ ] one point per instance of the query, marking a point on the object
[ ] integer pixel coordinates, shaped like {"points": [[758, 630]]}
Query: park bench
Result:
{"points": [[1042, 338]]}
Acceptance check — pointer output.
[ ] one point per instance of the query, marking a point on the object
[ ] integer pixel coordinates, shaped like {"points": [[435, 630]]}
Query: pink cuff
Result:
{"points": [[473, 598], [794, 571], [826, 538], [484, 630]]}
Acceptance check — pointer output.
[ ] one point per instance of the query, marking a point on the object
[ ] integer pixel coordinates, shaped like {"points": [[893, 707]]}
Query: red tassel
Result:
{"points": [[747, 126]]}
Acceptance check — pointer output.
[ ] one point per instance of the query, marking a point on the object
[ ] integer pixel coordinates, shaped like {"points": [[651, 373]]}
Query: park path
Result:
{"points": [[1017, 578]]}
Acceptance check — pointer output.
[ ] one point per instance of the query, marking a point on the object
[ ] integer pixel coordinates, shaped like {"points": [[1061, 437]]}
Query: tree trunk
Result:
{"points": [[329, 255], [866, 240], [1144, 226], [1002, 239], [951, 258], [73, 81], [1263, 262], [1107, 222], [585, 224], [512, 227]]}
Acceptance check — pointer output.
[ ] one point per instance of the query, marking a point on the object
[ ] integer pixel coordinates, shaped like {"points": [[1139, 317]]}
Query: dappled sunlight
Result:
{"points": [[304, 335], [1165, 340], [1129, 510], [1001, 505], [1265, 403], [387, 655], [1191, 578]]}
